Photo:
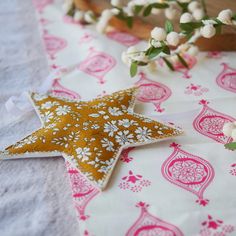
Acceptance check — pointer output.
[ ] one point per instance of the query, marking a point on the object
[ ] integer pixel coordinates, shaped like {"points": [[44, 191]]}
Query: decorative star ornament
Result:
{"points": [[90, 135]]}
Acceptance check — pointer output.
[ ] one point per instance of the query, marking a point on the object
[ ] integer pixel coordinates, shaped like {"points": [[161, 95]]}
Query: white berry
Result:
{"points": [[228, 128], [158, 34], [172, 38], [233, 134], [225, 16], [78, 16], [116, 3], [186, 18], [208, 31], [171, 13], [193, 6], [198, 14], [156, 11]]}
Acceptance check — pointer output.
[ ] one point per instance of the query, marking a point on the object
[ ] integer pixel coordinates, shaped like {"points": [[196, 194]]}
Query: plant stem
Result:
{"points": [[203, 3]]}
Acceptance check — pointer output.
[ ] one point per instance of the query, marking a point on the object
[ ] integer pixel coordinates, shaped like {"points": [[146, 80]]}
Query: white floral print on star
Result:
{"points": [[83, 153], [63, 110]]}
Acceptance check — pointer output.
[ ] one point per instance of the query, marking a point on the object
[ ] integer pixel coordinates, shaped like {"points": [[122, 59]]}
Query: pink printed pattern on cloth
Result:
{"points": [[133, 182], [123, 38], [210, 123], [83, 191], [97, 64], [148, 224], [152, 92], [215, 227], [189, 172], [227, 78]]}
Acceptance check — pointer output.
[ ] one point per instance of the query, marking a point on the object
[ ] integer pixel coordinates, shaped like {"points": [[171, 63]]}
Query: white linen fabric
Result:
{"points": [[35, 195]]}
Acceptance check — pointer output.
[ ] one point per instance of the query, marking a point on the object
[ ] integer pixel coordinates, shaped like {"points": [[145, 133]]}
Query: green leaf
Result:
{"points": [[71, 12], [183, 62], [168, 64], [138, 9], [190, 26], [147, 10], [153, 52], [218, 29], [160, 5], [231, 146], [141, 63], [129, 21], [169, 27], [184, 6], [234, 17], [166, 50], [133, 68]]}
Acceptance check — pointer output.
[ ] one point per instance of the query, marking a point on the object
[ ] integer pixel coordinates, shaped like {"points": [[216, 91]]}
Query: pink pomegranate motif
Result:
{"points": [[214, 55], [233, 169], [60, 91], [196, 90], [134, 183], [123, 38], [97, 64], [53, 44], [227, 78], [83, 192], [210, 123], [41, 4], [125, 155], [214, 227], [148, 224], [152, 92], [189, 172]]}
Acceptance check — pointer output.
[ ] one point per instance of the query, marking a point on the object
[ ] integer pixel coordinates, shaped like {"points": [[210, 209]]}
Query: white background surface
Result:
{"points": [[35, 195]]}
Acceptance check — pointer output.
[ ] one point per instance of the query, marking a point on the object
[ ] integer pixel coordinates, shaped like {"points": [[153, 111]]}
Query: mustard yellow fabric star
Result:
{"points": [[90, 135]]}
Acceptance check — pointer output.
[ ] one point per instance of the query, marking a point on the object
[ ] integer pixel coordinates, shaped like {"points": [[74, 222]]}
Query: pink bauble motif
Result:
{"points": [[196, 90], [123, 38], [210, 123], [133, 182], [60, 91], [148, 224], [227, 78], [152, 92], [97, 64], [189, 172], [41, 4], [53, 44], [83, 192], [125, 157], [215, 227]]}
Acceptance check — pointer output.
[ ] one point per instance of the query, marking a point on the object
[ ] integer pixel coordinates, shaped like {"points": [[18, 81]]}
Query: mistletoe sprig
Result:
{"points": [[164, 43], [163, 40]]}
